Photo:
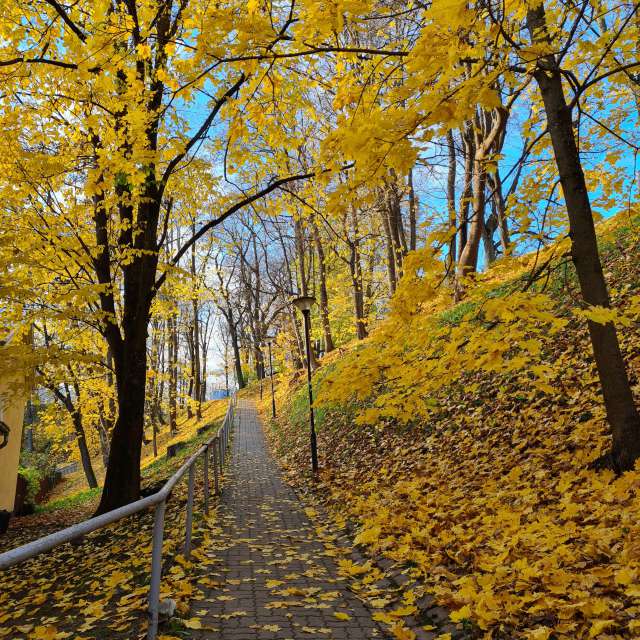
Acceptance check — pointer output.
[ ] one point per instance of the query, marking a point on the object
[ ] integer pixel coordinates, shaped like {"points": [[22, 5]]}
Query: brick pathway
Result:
{"points": [[270, 577]]}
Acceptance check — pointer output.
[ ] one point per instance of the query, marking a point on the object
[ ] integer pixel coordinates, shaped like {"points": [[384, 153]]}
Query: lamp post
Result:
{"points": [[260, 368], [304, 304], [269, 341]]}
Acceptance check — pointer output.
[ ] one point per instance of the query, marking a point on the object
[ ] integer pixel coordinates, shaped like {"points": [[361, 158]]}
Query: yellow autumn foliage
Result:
{"points": [[471, 461]]}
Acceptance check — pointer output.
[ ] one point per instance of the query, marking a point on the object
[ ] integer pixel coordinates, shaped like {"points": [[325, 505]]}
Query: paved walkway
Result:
{"points": [[270, 577]]}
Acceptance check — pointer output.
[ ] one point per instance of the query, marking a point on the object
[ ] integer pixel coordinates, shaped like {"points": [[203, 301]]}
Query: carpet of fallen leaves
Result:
{"points": [[492, 507], [97, 588]]}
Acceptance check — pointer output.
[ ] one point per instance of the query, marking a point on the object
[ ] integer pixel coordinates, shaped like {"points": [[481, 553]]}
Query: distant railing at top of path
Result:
{"points": [[215, 447]]}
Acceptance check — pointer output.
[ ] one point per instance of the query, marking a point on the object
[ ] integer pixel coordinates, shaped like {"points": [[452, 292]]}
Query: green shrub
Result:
{"points": [[33, 478]]}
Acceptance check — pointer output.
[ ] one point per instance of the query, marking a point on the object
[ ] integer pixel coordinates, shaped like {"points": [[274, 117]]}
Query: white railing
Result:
{"points": [[215, 447]]}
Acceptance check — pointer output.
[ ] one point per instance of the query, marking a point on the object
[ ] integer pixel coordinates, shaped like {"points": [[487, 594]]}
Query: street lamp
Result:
{"points": [[269, 340], [304, 304]]}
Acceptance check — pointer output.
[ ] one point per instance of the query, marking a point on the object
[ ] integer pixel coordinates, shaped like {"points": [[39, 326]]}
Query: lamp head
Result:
{"points": [[304, 303]]}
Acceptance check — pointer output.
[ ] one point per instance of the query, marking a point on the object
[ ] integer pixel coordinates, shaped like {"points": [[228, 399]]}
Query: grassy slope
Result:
{"points": [[73, 486], [490, 504]]}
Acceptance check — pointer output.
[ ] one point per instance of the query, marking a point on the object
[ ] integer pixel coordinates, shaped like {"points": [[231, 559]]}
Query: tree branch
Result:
{"points": [[55, 63], [202, 131], [230, 211], [67, 20]]}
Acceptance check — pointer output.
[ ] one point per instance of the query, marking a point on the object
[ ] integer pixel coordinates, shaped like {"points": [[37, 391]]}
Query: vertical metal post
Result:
{"points": [[314, 445], [205, 470], [216, 465], [273, 395], [156, 570], [187, 538]]}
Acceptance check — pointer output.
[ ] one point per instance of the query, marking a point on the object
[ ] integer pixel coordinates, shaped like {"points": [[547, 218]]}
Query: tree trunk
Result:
{"points": [[108, 416], [189, 392], [324, 298], [618, 399], [486, 132], [396, 227], [413, 214], [196, 389], [122, 479], [103, 434], [66, 400], [391, 262], [173, 374], [355, 267], [85, 457], [495, 184], [465, 200], [468, 262], [86, 461], [197, 383], [451, 199], [203, 376], [237, 360]]}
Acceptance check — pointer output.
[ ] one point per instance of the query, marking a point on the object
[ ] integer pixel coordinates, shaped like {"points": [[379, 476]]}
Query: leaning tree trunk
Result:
{"points": [[85, 456], [76, 418], [618, 399]]}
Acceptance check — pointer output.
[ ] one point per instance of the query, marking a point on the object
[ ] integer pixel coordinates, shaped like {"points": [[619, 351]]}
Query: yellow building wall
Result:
{"points": [[13, 398]]}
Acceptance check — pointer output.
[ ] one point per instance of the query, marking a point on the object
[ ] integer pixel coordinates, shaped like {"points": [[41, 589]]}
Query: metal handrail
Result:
{"points": [[217, 445]]}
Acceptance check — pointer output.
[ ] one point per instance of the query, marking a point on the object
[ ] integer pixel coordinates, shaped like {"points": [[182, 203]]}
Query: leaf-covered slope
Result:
{"points": [[485, 490], [98, 588]]}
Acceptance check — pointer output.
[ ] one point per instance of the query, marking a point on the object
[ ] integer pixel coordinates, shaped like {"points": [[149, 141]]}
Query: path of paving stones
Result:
{"points": [[271, 576]]}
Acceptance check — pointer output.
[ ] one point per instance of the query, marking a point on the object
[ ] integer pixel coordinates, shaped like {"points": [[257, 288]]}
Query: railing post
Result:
{"points": [[156, 570], [216, 465], [224, 438], [187, 537], [205, 462]]}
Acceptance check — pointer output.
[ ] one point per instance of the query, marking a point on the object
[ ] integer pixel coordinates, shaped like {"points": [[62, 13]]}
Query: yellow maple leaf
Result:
{"points": [[117, 578], [368, 536], [625, 576], [341, 616], [193, 623], [598, 626], [541, 633], [44, 633], [400, 632], [273, 583], [464, 613]]}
